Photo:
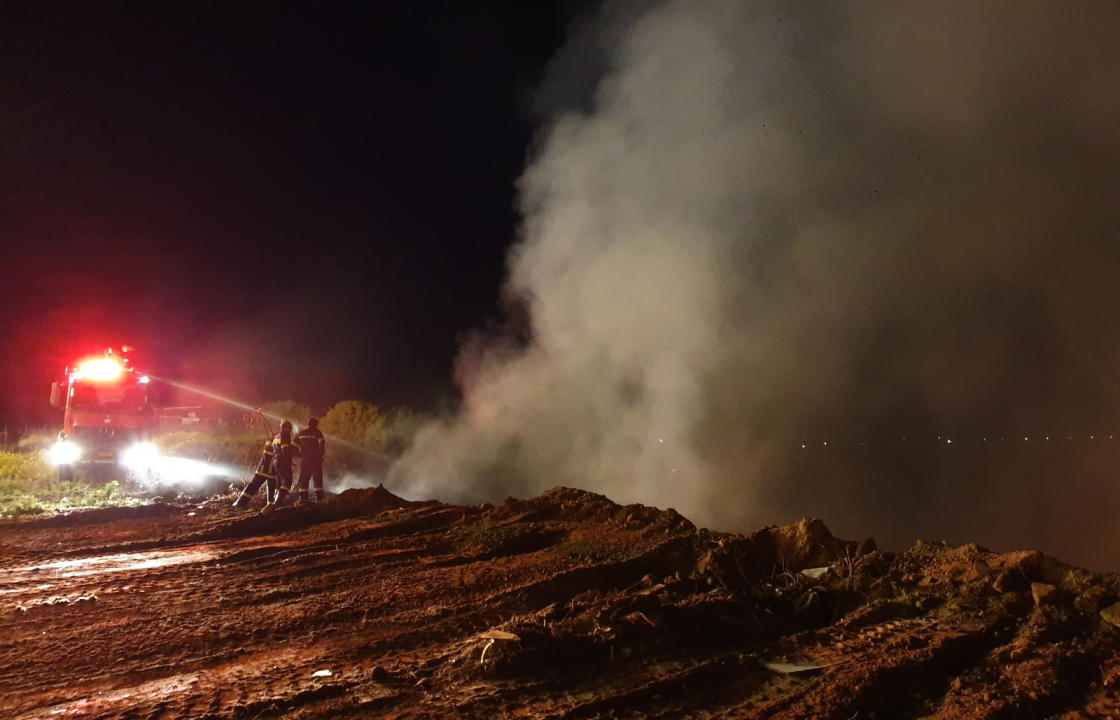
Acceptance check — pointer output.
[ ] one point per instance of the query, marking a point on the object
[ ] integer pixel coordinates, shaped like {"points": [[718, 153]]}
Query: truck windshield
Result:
{"points": [[109, 398]]}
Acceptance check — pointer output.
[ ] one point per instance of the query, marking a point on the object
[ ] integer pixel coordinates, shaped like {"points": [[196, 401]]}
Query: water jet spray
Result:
{"points": [[233, 402]]}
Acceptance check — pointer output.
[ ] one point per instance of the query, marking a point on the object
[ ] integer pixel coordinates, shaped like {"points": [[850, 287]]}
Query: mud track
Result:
{"points": [[563, 606]]}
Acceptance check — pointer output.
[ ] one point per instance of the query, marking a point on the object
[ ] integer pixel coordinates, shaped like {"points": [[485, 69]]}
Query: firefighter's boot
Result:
{"points": [[249, 491], [270, 492], [302, 499], [281, 495], [320, 496]]}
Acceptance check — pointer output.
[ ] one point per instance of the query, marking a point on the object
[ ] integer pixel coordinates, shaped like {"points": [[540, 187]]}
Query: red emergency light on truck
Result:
{"points": [[107, 414]]}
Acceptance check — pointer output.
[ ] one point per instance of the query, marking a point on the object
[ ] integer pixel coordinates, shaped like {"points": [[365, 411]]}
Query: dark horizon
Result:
{"points": [[283, 201]]}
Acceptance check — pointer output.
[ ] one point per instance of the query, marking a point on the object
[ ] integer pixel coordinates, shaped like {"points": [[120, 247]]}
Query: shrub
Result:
{"points": [[297, 412], [24, 469], [355, 437], [355, 421]]}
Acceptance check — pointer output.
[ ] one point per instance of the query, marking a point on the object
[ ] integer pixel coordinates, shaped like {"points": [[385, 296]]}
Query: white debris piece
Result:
{"points": [[322, 673], [482, 657], [785, 668]]}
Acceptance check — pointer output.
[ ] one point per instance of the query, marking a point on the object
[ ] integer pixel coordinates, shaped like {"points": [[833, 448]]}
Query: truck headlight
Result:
{"points": [[64, 452]]}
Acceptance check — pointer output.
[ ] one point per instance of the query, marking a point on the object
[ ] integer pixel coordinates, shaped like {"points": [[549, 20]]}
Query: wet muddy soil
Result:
{"points": [[562, 606]]}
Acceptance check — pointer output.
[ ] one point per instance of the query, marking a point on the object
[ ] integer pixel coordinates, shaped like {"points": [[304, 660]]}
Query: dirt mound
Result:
{"points": [[737, 563], [352, 503], [566, 605], [371, 497], [575, 505], [809, 544]]}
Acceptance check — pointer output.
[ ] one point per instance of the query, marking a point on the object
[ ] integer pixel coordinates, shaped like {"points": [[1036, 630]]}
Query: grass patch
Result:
{"points": [[16, 501], [80, 494], [29, 486]]}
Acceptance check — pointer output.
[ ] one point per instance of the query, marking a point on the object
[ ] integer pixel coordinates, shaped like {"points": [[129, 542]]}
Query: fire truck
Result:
{"points": [[107, 417]]}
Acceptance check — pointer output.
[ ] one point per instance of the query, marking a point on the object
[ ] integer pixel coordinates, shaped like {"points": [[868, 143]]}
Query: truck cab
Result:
{"points": [[107, 414]]}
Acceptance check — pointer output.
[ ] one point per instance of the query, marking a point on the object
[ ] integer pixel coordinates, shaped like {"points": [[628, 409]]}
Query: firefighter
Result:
{"points": [[312, 446], [284, 450], [264, 475]]}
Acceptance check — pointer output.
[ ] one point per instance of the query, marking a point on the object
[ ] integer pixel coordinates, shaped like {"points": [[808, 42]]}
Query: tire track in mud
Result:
{"points": [[71, 621], [1023, 677], [272, 566], [893, 674]]}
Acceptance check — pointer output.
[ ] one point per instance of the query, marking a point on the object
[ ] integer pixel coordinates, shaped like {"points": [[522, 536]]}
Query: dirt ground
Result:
{"points": [[562, 606]]}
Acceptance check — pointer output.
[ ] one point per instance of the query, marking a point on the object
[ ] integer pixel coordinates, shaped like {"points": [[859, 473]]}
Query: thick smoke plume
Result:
{"points": [[878, 225]]}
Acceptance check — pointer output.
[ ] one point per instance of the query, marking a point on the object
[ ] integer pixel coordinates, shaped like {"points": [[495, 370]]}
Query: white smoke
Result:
{"points": [[351, 481], [779, 221]]}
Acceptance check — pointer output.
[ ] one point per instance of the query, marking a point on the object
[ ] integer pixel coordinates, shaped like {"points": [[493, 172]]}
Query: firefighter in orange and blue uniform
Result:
{"points": [[264, 475], [312, 446], [284, 450]]}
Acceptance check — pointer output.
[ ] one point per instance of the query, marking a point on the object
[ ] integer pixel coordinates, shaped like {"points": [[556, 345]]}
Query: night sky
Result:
{"points": [[278, 200]]}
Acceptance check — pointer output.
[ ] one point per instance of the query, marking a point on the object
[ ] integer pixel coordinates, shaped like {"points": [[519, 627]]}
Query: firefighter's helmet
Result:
{"points": [[313, 422], [286, 424]]}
